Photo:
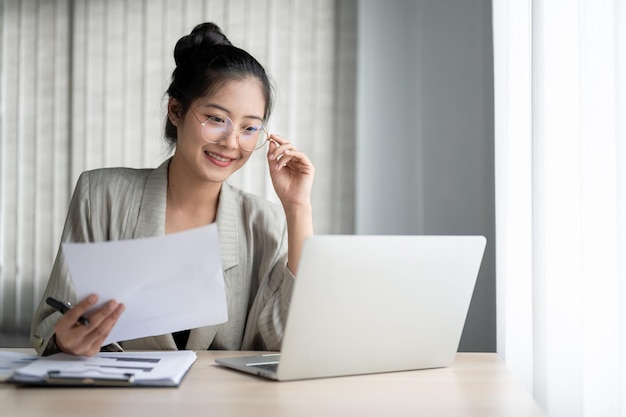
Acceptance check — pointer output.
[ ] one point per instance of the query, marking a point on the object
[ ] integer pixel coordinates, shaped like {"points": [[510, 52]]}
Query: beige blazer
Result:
{"points": [[124, 203]]}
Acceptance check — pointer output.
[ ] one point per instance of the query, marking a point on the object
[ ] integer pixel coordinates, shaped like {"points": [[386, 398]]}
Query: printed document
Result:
{"points": [[154, 368], [167, 283], [11, 361]]}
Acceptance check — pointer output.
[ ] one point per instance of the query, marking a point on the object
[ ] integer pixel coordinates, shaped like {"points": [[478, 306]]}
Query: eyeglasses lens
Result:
{"points": [[217, 129]]}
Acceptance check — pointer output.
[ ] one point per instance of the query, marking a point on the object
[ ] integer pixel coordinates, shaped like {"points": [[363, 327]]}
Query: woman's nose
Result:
{"points": [[231, 139]]}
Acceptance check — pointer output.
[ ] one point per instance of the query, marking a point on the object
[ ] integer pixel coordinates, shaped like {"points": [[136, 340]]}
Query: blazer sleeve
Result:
{"points": [[273, 280], [274, 297], [76, 229]]}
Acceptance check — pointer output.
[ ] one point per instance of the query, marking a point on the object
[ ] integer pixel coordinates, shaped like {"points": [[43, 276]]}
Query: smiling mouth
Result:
{"points": [[217, 157]]}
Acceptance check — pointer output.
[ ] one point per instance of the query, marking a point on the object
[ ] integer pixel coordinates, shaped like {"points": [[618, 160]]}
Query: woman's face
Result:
{"points": [[242, 101]]}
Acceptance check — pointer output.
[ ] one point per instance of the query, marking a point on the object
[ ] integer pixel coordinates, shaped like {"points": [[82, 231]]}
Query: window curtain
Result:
{"points": [[560, 140], [82, 86]]}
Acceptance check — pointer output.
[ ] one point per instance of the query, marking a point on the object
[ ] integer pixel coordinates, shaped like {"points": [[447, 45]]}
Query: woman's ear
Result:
{"points": [[174, 111]]}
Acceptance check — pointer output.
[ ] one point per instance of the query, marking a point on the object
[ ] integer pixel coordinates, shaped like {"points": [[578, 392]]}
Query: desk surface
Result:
{"points": [[477, 384]]}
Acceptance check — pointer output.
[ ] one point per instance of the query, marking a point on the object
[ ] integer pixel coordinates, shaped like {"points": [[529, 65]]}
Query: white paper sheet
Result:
{"points": [[167, 283]]}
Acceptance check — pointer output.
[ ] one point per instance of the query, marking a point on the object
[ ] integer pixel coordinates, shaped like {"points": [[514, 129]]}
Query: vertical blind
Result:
{"points": [[82, 86]]}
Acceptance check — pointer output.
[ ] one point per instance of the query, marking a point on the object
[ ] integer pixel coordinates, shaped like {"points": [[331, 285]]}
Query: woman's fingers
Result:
{"points": [[291, 171], [104, 315], [97, 336], [280, 145], [79, 310], [72, 337], [282, 152]]}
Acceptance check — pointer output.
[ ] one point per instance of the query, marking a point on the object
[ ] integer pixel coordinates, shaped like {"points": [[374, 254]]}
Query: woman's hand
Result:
{"points": [[86, 340], [291, 171], [292, 176]]}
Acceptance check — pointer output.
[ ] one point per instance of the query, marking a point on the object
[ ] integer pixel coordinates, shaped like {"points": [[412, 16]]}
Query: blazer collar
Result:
{"points": [[228, 214], [151, 217]]}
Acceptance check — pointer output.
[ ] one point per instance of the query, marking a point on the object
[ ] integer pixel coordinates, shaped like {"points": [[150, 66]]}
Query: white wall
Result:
{"points": [[425, 131]]}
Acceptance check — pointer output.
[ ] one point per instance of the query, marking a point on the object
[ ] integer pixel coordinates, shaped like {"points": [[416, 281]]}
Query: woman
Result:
{"points": [[219, 98]]}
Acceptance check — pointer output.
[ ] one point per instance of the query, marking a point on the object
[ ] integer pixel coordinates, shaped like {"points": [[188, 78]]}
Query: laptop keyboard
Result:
{"points": [[273, 367]]}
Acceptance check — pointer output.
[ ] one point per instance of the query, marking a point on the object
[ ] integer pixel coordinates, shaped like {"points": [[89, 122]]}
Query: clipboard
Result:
{"points": [[107, 369], [69, 379]]}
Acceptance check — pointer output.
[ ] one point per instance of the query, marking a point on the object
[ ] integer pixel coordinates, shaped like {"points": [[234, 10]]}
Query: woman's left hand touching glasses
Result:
{"points": [[291, 171]]}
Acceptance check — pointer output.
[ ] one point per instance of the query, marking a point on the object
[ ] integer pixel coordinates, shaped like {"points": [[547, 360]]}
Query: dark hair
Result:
{"points": [[206, 60]]}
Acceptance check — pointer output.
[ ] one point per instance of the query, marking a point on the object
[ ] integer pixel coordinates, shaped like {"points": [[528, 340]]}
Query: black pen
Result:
{"points": [[64, 308]]}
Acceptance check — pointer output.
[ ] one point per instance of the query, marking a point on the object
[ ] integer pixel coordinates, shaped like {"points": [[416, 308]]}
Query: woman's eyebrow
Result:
{"points": [[225, 110]]}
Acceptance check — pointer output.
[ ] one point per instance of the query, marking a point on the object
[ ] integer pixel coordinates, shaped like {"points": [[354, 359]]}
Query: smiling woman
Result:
{"points": [[187, 191], [91, 96]]}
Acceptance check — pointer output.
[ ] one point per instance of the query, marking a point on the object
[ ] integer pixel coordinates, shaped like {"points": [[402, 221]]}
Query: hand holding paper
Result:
{"points": [[167, 283], [86, 338]]}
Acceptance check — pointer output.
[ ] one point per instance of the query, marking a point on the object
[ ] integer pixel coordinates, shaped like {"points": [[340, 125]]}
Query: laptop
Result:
{"points": [[372, 304]]}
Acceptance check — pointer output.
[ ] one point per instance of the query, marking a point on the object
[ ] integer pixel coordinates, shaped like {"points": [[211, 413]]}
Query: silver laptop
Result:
{"points": [[370, 304]]}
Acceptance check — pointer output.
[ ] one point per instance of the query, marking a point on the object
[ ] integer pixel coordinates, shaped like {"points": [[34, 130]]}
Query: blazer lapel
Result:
{"points": [[151, 217], [202, 337], [151, 222], [228, 210]]}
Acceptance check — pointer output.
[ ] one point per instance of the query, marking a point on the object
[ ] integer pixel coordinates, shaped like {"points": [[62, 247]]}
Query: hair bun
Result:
{"points": [[201, 37]]}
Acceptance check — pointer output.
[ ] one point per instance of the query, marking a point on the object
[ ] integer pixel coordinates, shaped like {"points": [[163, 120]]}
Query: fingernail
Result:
{"points": [[92, 299], [112, 305]]}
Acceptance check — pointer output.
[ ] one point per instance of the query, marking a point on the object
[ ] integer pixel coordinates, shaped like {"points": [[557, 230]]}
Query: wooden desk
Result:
{"points": [[478, 384]]}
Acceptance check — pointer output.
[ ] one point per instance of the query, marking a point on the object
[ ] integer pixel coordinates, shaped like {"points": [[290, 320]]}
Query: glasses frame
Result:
{"points": [[227, 135]]}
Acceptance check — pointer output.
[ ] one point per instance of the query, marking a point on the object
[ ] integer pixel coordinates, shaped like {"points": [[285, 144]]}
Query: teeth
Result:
{"points": [[219, 158]]}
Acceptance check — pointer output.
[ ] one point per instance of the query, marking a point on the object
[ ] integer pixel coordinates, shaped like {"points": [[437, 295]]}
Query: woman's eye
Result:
{"points": [[216, 120], [252, 129]]}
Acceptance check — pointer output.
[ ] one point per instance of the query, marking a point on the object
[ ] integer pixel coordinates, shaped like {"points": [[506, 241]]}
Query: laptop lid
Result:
{"points": [[369, 304]]}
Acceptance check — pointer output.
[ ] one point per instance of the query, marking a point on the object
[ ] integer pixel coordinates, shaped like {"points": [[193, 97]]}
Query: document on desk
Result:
{"points": [[167, 283], [11, 361], [158, 368]]}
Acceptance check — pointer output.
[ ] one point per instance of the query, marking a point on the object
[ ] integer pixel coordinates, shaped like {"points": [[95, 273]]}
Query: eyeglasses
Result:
{"points": [[215, 129]]}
